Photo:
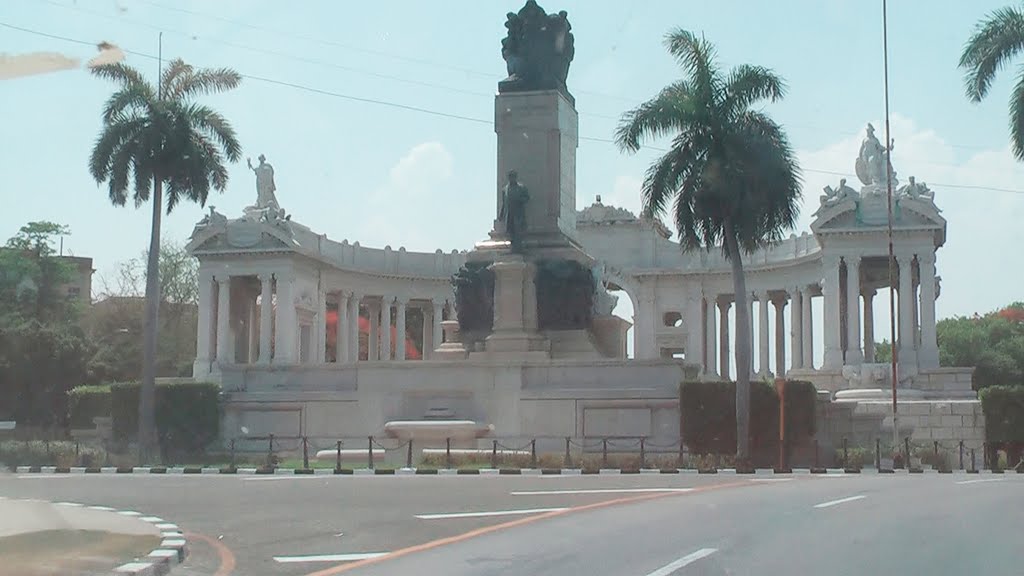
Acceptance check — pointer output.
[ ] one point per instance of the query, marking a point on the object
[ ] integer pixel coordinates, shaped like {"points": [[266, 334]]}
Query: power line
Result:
{"points": [[441, 114]]}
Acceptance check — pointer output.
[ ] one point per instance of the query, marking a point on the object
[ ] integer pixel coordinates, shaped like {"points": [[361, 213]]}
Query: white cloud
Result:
{"points": [[422, 169]]}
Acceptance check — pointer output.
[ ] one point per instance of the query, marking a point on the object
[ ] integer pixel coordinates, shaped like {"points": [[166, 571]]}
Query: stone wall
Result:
{"points": [[924, 421]]}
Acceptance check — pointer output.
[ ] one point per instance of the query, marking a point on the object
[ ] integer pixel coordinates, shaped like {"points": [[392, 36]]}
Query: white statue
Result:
{"points": [[839, 194], [264, 183], [917, 191], [873, 160]]}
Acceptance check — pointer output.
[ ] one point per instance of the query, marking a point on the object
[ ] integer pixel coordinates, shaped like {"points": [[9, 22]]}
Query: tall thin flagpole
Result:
{"points": [[159, 65], [892, 258]]}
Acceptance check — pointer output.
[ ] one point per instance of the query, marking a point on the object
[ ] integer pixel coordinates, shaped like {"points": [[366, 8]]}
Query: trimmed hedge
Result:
{"points": [[708, 412], [86, 403], [1004, 413], [187, 415]]}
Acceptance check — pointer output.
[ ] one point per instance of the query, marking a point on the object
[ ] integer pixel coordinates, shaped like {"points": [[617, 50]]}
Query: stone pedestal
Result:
{"points": [[452, 348], [537, 137], [515, 310]]}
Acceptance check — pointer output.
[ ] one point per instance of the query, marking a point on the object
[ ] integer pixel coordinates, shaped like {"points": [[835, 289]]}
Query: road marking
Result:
{"points": [[484, 514], [980, 480], [668, 569], [329, 557], [840, 501], [598, 491]]}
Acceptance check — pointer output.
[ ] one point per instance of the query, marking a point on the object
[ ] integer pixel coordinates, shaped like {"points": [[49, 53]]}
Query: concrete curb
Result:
{"points": [[143, 470], [171, 551]]}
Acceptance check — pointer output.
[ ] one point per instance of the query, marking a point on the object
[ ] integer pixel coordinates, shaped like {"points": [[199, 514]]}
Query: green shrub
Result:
{"points": [[708, 412], [1004, 413], [53, 453], [87, 402], [187, 415]]}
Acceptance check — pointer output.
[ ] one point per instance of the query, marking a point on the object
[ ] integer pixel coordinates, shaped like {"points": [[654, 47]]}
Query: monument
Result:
{"points": [[309, 335]]}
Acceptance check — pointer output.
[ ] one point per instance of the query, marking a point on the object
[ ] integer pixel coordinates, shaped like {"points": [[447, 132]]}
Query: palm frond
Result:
{"points": [[1017, 116], [173, 74], [996, 40], [217, 127], [205, 81], [697, 57], [137, 98], [668, 112], [121, 165], [115, 134], [748, 84], [121, 73]]}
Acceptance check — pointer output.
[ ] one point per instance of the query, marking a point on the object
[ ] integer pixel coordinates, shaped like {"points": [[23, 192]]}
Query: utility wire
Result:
{"points": [[349, 97]]}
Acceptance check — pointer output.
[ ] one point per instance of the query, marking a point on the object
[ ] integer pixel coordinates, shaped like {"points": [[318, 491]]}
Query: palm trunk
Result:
{"points": [[742, 347], [147, 392]]}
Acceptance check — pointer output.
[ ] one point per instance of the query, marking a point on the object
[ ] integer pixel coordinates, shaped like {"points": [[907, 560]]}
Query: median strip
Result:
{"points": [[329, 557], [597, 491]]}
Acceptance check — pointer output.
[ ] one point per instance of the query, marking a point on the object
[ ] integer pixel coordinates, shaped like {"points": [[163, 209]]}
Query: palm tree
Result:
{"points": [[997, 39], [159, 142], [730, 174]]}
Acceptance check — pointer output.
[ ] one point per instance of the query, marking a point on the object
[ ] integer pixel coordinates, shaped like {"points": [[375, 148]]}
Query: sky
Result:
{"points": [[378, 116]]}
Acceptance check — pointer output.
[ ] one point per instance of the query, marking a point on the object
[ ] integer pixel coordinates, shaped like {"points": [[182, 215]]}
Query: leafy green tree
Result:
{"points": [[156, 142], [730, 178], [993, 344], [997, 39], [42, 346]]}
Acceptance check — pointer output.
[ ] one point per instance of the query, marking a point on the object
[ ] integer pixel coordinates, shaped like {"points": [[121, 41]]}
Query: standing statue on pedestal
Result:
{"points": [[266, 207], [873, 160], [537, 50], [513, 210]]}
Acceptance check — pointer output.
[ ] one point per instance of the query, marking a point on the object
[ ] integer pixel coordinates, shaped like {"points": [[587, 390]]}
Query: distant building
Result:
{"points": [[80, 288]]}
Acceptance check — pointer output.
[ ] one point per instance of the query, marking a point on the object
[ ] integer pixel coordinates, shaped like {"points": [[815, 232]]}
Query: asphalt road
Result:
{"points": [[621, 525]]}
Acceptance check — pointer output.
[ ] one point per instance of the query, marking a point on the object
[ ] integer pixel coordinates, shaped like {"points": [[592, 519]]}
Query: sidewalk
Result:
{"points": [[39, 538]]}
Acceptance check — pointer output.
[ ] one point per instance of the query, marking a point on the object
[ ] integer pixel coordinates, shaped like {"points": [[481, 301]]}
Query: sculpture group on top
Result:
{"points": [[266, 208], [537, 50], [872, 163]]}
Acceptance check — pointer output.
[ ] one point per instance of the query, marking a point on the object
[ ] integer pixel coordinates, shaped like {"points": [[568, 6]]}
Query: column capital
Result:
{"points": [[222, 278], [401, 300], [761, 295], [926, 258], [852, 259], [265, 276], [902, 257]]}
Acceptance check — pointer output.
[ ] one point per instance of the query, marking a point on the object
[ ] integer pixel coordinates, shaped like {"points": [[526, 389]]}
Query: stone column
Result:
{"points": [[644, 342], [428, 332], [437, 334], [928, 352], [266, 318], [205, 326], [780, 335], [869, 325], [254, 331], [723, 336], [385, 328], [762, 331], [320, 334], [806, 329], [907, 354], [373, 341], [832, 321], [914, 301], [853, 339], [692, 314], [342, 330], [285, 346], [796, 325], [400, 304], [224, 320], [711, 341], [353, 326], [750, 334]]}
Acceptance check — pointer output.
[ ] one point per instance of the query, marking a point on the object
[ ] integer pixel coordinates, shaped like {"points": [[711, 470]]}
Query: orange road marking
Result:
{"points": [[332, 571], [227, 558]]}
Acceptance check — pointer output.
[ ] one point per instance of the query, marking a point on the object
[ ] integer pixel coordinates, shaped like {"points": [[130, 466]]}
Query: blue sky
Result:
{"points": [[386, 175]]}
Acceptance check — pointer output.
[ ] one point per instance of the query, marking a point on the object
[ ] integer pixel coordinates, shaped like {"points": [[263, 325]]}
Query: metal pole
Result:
{"points": [[408, 454], [494, 453], [878, 454], [961, 454], [846, 454], [305, 453], [892, 256], [533, 453], [369, 452], [604, 452], [568, 457], [232, 452], [906, 446], [337, 461], [270, 452], [448, 453]]}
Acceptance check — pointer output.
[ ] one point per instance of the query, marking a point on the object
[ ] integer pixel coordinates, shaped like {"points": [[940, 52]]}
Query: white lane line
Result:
{"points": [[597, 491], [668, 569], [980, 481], [840, 501], [329, 557], [484, 514]]}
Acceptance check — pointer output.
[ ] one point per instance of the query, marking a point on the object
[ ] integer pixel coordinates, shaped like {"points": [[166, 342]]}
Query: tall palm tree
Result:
{"points": [[730, 175], [996, 40], [157, 142]]}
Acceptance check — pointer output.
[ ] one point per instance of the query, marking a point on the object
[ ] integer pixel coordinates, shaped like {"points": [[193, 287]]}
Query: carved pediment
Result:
{"points": [[239, 236]]}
